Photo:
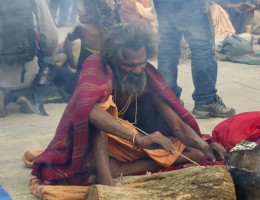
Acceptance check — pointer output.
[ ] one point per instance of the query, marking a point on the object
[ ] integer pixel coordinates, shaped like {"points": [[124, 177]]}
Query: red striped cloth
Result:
{"points": [[62, 161]]}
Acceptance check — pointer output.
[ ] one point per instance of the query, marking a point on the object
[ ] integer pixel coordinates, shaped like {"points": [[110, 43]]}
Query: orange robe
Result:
{"points": [[124, 151]]}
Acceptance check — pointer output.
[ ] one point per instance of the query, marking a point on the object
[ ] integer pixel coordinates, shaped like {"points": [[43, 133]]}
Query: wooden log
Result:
{"points": [[190, 183], [243, 162]]}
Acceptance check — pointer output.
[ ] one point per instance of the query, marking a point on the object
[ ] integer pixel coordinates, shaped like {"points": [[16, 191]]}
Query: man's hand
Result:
{"points": [[244, 7], [155, 141], [215, 151]]}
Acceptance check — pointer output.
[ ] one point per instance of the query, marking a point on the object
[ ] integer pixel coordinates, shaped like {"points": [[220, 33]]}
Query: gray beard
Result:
{"points": [[129, 83]]}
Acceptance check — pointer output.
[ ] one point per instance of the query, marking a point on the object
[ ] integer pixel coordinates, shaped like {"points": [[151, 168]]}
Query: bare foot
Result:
{"points": [[118, 168]]}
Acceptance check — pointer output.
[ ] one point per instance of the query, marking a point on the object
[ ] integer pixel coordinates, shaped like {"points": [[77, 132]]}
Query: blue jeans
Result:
{"points": [[74, 11], [187, 18], [63, 7]]}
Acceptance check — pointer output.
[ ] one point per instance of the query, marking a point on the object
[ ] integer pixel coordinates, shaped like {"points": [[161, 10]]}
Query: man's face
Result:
{"points": [[130, 75]]}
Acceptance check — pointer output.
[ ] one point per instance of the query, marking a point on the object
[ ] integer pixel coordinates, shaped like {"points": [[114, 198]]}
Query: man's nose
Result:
{"points": [[138, 70]]}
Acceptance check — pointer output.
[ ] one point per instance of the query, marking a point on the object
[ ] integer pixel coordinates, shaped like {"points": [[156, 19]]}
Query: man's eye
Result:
{"points": [[131, 65]]}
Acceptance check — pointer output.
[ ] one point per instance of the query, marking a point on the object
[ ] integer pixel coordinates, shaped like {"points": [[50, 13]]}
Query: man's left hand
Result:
{"points": [[215, 151]]}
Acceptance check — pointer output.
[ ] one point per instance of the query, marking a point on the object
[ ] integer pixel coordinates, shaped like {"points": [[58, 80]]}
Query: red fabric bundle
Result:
{"points": [[243, 126]]}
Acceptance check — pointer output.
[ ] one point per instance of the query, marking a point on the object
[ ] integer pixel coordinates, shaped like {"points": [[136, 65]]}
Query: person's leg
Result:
{"points": [[194, 23], [100, 152], [64, 12], [169, 46], [119, 168], [24, 99], [191, 153], [196, 26], [74, 11], [53, 6], [147, 164], [247, 26], [243, 23], [30, 156]]}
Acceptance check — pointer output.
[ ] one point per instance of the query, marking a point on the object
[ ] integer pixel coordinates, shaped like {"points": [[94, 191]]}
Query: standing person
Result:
{"points": [[190, 19], [33, 27], [117, 91]]}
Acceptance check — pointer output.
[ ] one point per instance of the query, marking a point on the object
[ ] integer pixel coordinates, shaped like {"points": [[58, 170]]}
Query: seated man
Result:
{"points": [[96, 18], [241, 13], [122, 119]]}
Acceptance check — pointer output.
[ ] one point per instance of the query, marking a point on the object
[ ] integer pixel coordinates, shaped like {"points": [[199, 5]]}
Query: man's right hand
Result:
{"points": [[155, 141], [215, 150]]}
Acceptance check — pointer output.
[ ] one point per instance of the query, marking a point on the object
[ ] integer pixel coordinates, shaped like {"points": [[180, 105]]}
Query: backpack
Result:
{"points": [[17, 34], [235, 45]]}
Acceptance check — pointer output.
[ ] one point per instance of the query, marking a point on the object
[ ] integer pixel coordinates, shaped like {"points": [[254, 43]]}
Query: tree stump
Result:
{"points": [[243, 162], [189, 183]]}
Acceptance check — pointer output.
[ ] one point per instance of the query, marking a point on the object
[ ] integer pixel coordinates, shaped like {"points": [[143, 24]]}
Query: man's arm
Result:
{"points": [[105, 122], [184, 132], [240, 7]]}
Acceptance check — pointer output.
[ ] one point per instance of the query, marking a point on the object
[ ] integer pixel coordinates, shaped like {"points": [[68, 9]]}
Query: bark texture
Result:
{"points": [[190, 183], [243, 162]]}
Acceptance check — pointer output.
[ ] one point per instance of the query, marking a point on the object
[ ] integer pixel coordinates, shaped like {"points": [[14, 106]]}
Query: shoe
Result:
{"points": [[25, 105], [2, 104], [214, 109]]}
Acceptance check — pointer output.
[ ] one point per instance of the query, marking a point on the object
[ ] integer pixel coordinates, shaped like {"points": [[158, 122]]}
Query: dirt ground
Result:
{"points": [[238, 84]]}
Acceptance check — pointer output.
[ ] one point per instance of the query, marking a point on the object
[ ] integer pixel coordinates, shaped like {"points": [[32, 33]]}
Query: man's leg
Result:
{"points": [[191, 153], [147, 164], [242, 22], [197, 31], [64, 12], [53, 6], [74, 11], [194, 23], [119, 168], [247, 22], [100, 152], [169, 46], [108, 167]]}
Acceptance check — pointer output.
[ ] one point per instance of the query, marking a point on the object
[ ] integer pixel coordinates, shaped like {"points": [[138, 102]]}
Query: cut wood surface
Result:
{"points": [[190, 183], [243, 162]]}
